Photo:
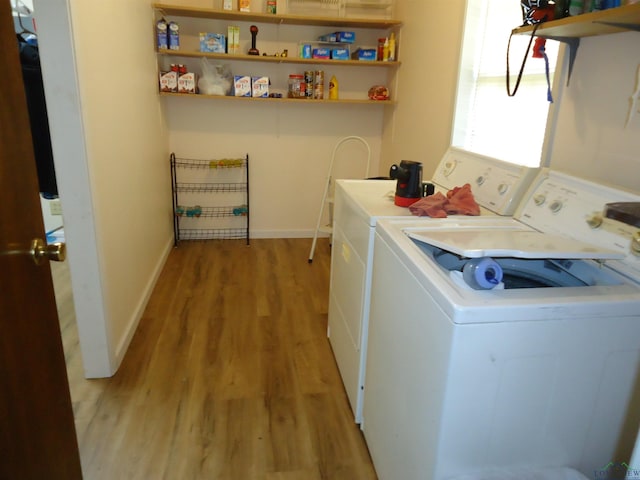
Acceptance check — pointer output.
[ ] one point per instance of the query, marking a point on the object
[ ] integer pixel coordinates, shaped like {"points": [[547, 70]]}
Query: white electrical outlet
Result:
{"points": [[55, 207]]}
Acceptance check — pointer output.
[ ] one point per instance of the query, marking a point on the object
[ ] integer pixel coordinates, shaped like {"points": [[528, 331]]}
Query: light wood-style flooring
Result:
{"points": [[229, 376]]}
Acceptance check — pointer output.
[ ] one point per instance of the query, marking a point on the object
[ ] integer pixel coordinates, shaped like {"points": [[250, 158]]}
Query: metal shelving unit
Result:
{"points": [[210, 198]]}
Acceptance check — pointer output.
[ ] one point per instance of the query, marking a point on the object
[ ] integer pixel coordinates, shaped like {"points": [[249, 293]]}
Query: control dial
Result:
{"points": [[448, 167], [635, 243], [556, 206], [480, 180], [503, 188], [539, 199], [594, 220]]}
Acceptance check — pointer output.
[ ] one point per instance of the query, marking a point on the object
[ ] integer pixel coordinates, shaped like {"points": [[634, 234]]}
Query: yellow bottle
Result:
{"points": [[392, 47], [333, 88]]}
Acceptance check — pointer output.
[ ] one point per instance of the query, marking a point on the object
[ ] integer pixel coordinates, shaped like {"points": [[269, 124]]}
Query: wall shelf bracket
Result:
{"points": [[573, 43]]}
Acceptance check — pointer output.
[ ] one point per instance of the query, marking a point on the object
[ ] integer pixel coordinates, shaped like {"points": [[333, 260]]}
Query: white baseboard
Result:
{"points": [[123, 345], [285, 234]]}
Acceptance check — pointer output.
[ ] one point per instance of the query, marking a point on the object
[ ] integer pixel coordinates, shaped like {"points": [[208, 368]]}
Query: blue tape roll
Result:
{"points": [[482, 273]]}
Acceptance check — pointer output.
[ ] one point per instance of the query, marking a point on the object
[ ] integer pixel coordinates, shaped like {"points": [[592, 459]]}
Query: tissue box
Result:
{"points": [[212, 42], [169, 81], [346, 37], [323, 53], [366, 54], [242, 85], [260, 87], [340, 53]]}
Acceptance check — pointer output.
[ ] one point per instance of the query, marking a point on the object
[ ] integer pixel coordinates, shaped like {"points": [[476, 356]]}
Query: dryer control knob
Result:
{"points": [[449, 167], [594, 220], [503, 188], [480, 180], [539, 199], [635, 244], [556, 206]]}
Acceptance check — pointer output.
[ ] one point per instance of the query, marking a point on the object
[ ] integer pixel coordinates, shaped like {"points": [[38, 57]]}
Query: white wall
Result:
{"points": [[420, 127], [289, 147], [110, 150], [591, 139], [127, 153]]}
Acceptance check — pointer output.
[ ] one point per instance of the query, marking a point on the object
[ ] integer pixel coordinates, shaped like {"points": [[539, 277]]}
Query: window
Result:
{"points": [[487, 120]]}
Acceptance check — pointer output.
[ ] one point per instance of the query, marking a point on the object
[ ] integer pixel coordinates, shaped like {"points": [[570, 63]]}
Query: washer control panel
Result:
{"points": [[497, 186], [561, 204]]}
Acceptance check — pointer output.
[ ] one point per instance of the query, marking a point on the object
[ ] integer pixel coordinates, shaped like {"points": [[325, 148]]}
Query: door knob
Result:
{"points": [[39, 250]]}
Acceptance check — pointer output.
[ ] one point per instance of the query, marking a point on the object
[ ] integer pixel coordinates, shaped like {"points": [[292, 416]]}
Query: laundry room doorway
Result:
{"points": [[53, 28]]}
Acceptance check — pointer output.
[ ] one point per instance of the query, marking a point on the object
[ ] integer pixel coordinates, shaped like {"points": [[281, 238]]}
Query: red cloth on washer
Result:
{"points": [[458, 201]]}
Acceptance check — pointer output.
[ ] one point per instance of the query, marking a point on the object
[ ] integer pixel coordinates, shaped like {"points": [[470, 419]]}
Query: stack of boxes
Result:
{"points": [[334, 46]]}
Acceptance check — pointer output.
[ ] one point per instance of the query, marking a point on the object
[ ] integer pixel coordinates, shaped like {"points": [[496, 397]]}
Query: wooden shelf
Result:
{"points": [[280, 100], [178, 11], [571, 29], [169, 11], [262, 58], [603, 22]]}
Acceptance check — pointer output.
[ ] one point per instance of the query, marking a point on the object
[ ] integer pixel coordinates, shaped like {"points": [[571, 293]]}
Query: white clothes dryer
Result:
{"points": [[497, 187], [535, 371]]}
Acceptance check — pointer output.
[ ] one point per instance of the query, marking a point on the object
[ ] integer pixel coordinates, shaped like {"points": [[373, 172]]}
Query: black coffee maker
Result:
{"points": [[409, 186]]}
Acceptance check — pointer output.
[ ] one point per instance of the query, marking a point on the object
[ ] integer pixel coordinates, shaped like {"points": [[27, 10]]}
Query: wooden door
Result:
{"points": [[37, 431]]}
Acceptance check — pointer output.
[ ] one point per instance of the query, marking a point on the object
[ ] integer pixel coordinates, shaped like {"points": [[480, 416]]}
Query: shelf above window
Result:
{"points": [[603, 22], [571, 29]]}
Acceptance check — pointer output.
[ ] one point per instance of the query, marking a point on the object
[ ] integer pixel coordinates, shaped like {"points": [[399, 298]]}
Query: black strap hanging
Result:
{"points": [[524, 61]]}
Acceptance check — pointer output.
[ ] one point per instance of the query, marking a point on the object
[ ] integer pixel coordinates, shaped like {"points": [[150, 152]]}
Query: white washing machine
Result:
{"points": [[535, 370], [497, 186]]}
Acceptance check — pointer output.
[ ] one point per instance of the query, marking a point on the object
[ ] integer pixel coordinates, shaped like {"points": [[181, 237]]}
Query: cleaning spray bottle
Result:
{"points": [[333, 88]]}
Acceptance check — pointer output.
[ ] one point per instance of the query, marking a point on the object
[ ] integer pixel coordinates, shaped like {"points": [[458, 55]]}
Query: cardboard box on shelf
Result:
{"points": [[259, 87], [323, 53], [340, 54], [212, 42], [365, 54], [187, 83], [305, 50], [346, 37], [329, 37], [169, 81], [242, 86], [233, 40]]}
